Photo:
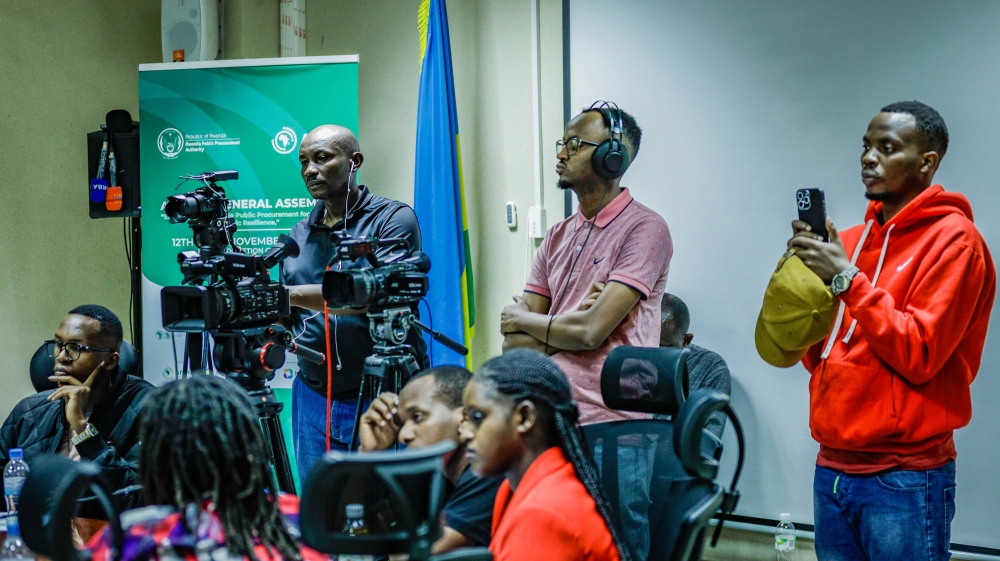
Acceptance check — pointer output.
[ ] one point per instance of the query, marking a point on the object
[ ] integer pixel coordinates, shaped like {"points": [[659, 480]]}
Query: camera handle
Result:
{"points": [[443, 339]]}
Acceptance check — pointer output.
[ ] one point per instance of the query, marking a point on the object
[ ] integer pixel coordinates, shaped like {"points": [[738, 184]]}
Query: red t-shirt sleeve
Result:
{"points": [[645, 256]]}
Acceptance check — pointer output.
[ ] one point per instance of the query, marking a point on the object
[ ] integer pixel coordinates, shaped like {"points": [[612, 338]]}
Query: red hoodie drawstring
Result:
{"points": [[840, 312]]}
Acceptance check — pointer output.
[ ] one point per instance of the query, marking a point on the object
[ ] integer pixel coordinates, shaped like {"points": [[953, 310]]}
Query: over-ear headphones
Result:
{"points": [[611, 158]]}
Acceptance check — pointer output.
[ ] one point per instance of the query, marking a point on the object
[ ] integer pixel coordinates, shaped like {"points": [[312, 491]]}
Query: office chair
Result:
{"points": [[402, 492], [42, 366], [675, 460], [49, 502]]}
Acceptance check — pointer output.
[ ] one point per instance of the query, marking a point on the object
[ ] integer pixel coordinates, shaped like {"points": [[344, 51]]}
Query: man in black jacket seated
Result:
{"points": [[429, 410], [92, 414]]}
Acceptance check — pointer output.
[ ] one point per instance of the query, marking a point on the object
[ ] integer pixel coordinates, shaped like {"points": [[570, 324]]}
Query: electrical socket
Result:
{"points": [[536, 222]]}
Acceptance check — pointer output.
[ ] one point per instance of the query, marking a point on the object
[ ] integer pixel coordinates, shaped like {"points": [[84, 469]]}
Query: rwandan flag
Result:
{"points": [[438, 192]]}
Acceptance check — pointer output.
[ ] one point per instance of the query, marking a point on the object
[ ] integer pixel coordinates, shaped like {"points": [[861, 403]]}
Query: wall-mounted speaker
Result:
{"points": [[190, 30]]}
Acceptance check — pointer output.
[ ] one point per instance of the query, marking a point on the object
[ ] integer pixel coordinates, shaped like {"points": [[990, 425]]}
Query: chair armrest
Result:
{"points": [[465, 554]]}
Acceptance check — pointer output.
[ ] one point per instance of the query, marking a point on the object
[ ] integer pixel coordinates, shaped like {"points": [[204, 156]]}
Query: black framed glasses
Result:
{"points": [[572, 145], [55, 348]]}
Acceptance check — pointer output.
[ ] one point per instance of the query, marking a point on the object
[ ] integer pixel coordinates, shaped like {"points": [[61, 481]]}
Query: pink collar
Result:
{"points": [[609, 212]]}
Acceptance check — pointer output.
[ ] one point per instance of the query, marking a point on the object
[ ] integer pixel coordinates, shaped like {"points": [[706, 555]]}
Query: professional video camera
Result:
{"points": [[230, 296], [240, 292], [390, 290], [399, 279]]}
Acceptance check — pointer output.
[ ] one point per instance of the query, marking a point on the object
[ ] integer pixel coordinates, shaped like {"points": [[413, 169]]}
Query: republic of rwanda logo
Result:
{"points": [[285, 141], [170, 143]]}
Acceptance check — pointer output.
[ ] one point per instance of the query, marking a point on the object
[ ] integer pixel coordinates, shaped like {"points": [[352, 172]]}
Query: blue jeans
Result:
{"points": [[309, 426], [891, 515]]}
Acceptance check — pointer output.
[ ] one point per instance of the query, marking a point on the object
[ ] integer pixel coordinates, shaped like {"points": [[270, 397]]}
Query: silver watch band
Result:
{"points": [[842, 280], [89, 432]]}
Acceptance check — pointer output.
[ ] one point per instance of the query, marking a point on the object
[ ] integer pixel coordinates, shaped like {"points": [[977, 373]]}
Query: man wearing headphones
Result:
{"points": [[611, 239], [613, 242], [330, 158]]}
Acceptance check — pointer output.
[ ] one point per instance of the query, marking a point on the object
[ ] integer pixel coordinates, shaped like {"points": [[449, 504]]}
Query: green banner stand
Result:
{"points": [[244, 115]]}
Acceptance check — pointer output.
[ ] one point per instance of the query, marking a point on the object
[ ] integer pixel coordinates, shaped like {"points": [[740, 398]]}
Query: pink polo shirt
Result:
{"points": [[630, 244]]}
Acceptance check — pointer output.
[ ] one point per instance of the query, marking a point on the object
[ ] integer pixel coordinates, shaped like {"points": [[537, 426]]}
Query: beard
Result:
{"points": [[564, 184], [912, 183]]}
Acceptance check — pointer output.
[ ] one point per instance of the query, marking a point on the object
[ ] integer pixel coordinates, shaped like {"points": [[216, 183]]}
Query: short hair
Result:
{"points": [[451, 382], [929, 122], [631, 133], [111, 326], [672, 307]]}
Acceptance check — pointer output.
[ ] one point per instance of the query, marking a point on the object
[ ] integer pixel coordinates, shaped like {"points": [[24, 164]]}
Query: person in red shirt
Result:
{"points": [[521, 422], [891, 383], [205, 474]]}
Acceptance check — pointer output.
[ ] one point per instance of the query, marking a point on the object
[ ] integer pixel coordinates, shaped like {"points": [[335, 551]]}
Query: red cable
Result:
{"points": [[329, 370]]}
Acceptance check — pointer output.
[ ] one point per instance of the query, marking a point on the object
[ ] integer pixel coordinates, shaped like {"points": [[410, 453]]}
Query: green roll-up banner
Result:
{"points": [[243, 115]]}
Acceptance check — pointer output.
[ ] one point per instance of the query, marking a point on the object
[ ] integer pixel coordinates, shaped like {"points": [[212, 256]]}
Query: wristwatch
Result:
{"points": [[88, 432], [842, 280]]}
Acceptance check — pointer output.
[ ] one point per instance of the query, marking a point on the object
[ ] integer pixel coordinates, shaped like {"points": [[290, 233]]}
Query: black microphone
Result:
{"points": [[119, 121]]}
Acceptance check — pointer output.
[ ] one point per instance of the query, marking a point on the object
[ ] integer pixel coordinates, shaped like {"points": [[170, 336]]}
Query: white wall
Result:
{"points": [[742, 104]]}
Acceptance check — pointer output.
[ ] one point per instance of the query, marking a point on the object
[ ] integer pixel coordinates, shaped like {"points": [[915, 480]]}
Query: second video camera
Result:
{"points": [[401, 278]]}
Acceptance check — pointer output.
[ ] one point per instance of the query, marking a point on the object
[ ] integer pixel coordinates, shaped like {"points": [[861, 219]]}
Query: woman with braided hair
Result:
{"points": [[521, 423], [204, 467]]}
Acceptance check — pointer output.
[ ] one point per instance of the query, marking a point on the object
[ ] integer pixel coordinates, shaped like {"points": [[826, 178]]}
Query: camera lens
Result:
{"points": [[193, 206]]}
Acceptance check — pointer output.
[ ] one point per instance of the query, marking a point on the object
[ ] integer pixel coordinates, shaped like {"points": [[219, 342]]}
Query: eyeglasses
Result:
{"points": [[73, 350], [572, 145]]}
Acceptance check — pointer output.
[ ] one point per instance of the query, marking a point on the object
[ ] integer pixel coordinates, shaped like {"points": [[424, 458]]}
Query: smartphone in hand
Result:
{"points": [[812, 210]]}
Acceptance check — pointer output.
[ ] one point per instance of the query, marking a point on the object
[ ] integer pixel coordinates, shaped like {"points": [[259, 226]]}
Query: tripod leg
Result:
{"points": [[352, 446], [277, 453]]}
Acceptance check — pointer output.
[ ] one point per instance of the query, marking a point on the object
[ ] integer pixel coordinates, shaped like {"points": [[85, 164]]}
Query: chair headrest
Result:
{"points": [[42, 365], [49, 503], [402, 494], [689, 426], [646, 380]]}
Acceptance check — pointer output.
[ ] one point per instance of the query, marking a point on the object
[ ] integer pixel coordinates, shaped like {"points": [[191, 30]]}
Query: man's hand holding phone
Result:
{"points": [[826, 259]]}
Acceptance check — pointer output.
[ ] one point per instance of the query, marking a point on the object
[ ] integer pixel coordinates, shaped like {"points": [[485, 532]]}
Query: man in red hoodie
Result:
{"points": [[892, 381]]}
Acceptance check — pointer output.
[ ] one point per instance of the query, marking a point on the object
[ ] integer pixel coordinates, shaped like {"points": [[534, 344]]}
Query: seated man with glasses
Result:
{"points": [[92, 414]]}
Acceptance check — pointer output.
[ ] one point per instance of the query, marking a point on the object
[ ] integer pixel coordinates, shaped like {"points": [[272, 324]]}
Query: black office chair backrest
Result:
{"points": [[49, 502], [402, 494], [639, 457], [645, 380], [675, 460], [42, 366]]}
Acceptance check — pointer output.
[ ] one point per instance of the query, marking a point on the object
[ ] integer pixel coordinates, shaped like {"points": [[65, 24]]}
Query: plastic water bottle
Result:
{"points": [[13, 546], [13, 479], [784, 538], [355, 526]]}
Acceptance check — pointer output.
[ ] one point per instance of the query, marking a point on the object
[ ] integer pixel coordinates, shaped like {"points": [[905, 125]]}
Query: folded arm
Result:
{"points": [[538, 304], [578, 330]]}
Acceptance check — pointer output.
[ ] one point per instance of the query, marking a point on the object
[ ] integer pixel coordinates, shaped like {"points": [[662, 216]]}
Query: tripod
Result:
{"points": [[393, 361], [249, 357]]}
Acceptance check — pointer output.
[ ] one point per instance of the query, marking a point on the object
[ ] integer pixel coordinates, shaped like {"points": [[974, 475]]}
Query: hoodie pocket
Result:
{"points": [[851, 406]]}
